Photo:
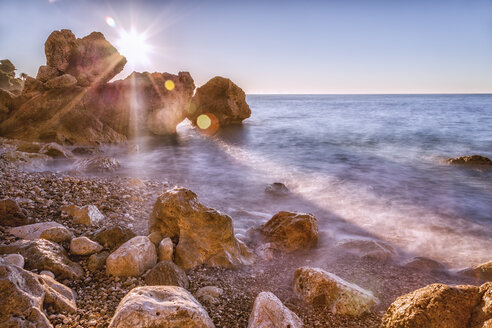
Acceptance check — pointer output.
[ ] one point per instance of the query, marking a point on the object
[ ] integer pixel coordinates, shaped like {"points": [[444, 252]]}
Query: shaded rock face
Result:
{"points": [[55, 150], [6, 104], [132, 258], [46, 73], [43, 254], [277, 189], [97, 261], [221, 98], [269, 312], [471, 160], [113, 237], [11, 214], [204, 234], [320, 288], [166, 273], [160, 306], [482, 313], [291, 231], [436, 306], [424, 264]]}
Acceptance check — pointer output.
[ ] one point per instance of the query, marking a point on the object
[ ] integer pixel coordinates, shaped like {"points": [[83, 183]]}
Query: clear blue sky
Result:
{"points": [[344, 46]]}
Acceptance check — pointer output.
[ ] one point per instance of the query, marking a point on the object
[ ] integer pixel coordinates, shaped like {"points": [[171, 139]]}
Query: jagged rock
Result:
{"points": [[97, 164], [43, 254], [291, 231], [424, 264], [269, 312], [32, 87], [57, 234], [132, 258], [59, 82], [221, 98], [58, 295], [8, 81], [480, 272], [97, 261], [46, 73], [433, 306], [160, 306], [33, 231], [209, 294], [165, 250], [320, 288], [481, 316], [368, 248], [86, 215], [84, 246], [277, 189], [5, 104], [14, 259], [11, 214], [59, 48], [205, 235], [113, 237], [24, 161], [470, 160], [166, 273], [55, 150]]}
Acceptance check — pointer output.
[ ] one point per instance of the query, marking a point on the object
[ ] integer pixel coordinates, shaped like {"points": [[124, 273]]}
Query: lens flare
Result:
{"points": [[110, 21], [203, 121], [169, 84], [134, 47]]}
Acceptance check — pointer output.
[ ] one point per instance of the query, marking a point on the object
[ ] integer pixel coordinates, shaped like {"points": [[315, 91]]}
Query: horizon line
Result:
{"points": [[369, 94]]}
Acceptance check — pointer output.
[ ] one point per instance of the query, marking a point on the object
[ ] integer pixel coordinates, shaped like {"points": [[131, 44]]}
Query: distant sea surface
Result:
{"points": [[365, 165]]}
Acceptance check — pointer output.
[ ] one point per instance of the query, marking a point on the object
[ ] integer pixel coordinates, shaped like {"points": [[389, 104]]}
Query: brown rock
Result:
{"points": [[480, 272], [86, 215], [368, 248], [165, 250], [97, 261], [46, 73], [62, 81], [209, 294], [221, 98], [5, 104], [55, 150], [32, 87], [269, 312], [166, 273], [482, 313], [84, 246], [33, 231], [99, 164], [205, 235], [59, 48], [424, 264], [57, 234], [470, 160], [58, 295], [113, 237], [291, 231], [42, 254], [11, 214], [132, 258], [433, 306]]}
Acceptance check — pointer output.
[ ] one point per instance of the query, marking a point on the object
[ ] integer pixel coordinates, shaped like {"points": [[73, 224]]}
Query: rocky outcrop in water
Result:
{"points": [[470, 160], [203, 234], [368, 248], [222, 100]]}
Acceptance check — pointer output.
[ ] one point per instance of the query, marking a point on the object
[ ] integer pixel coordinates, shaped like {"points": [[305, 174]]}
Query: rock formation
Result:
{"points": [[203, 234], [471, 160], [221, 98], [269, 312]]}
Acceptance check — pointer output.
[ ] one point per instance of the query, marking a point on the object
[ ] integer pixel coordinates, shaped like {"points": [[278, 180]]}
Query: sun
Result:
{"points": [[134, 46]]}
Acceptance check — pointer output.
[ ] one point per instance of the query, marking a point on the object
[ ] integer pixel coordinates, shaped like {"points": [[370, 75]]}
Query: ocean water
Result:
{"points": [[364, 165]]}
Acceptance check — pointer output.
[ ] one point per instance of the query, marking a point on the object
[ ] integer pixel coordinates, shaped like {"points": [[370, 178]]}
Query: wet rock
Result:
{"points": [[209, 294], [84, 246], [482, 313], [166, 273], [221, 98], [368, 248], [59, 82], [57, 234], [55, 150], [435, 305], [42, 254], [24, 161], [112, 237], [99, 164], [132, 258], [277, 189], [269, 312], [97, 261], [46, 73], [86, 215], [320, 288], [14, 259], [471, 160], [160, 306], [291, 231], [33, 231], [424, 264], [266, 251], [205, 235], [165, 250], [11, 214]]}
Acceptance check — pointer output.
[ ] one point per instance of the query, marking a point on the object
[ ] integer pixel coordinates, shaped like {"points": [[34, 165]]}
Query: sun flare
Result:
{"points": [[134, 46]]}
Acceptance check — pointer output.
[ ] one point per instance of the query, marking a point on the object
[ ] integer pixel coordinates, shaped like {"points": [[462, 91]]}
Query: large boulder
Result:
{"points": [[269, 312], [166, 273], [433, 306], [204, 234], [471, 160], [222, 100], [291, 231], [132, 258], [160, 306], [11, 214], [43, 254], [324, 289], [33, 231], [482, 313]]}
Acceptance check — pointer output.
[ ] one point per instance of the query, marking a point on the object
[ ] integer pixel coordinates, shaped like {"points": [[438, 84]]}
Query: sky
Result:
{"points": [[331, 47]]}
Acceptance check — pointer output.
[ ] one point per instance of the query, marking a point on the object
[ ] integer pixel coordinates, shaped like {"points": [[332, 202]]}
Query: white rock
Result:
{"points": [[87, 215], [33, 231], [47, 273], [132, 258], [209, 294], [318, 287], [165, 250], [15, 259], [269, 312], [160, 306], [84, 246]]}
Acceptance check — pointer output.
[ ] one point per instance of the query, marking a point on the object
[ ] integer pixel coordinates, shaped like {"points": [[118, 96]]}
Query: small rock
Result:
{"points": [[368, 248], [11, 214], [87, 215], [168, 274], [33, 231], [136, 183], [47, 273], [209, 294], [132, 258], [277, 189], [46, 73], [97, 261], [113, 237], [84, 246], [165, 250], [471, 160], [57, 234], [269, 312], [99, 164], [14, 259], [155, 237]]}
